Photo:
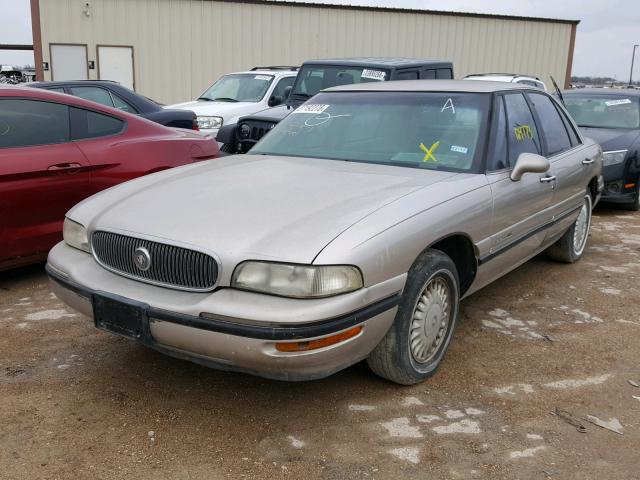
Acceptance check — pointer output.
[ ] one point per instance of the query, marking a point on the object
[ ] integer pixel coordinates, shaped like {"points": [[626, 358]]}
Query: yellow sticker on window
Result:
{"points": [[523, 132], [430, 152]]}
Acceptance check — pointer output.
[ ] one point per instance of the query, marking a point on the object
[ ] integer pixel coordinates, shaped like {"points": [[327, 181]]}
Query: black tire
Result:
{"points": [[565, 250], [392, 358], [635, 205]]}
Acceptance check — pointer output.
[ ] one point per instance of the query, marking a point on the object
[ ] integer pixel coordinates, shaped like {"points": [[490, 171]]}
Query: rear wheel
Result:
{"points": [[570, 247], [414, 346]]}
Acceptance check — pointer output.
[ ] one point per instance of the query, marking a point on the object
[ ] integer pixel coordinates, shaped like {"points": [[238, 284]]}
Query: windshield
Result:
{"points": [[238, 88], [438, 131], [313, 78], [603, 111]]}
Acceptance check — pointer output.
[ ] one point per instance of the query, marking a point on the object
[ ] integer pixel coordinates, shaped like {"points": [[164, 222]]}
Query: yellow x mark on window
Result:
{"points": [[430, 152]]}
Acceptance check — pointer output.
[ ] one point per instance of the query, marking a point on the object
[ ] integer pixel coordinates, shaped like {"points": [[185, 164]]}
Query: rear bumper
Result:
{"points": [[235, 344]]}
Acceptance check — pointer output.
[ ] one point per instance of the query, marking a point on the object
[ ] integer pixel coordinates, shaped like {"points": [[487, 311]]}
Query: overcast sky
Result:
{"points": [[606, 34]]}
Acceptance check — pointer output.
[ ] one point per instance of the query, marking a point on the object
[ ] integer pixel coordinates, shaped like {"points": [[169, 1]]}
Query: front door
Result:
{"points": [[521, 209], [42, 175]]}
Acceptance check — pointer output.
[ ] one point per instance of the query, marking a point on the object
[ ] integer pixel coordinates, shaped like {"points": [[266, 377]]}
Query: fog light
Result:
{"points": [[613, 187], [320, 342]]}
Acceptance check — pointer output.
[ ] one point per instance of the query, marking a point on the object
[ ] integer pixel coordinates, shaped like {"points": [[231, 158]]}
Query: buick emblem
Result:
{"points": [[142, 259]]}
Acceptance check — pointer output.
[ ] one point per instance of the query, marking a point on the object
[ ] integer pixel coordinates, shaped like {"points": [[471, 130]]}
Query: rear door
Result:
{"points": [[522, 209], [565, 153], [42, 175]]}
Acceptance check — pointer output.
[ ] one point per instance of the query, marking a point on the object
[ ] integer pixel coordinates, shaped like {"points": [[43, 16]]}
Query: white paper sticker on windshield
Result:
{"points": [[459, 149], [262, 77], [373, 74], [611, 103], [311, 108]]}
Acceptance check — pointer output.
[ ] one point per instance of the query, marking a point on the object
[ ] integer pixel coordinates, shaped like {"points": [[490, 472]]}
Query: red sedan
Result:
{"points": [[56, 150]]}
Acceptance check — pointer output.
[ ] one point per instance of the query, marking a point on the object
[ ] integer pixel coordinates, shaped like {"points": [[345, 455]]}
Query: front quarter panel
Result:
{"points": [[386, 243]]}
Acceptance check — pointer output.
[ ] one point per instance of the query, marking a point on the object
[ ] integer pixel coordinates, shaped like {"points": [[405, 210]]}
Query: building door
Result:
{"points": [[68, 62], [116, 63]]}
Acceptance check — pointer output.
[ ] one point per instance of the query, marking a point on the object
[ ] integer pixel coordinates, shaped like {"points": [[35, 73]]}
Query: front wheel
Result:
{"points": [[414, 346], [570, 247], [634, 206]]}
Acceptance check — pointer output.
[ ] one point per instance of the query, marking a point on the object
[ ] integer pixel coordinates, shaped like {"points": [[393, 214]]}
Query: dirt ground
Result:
{"points": [[76, 403]]}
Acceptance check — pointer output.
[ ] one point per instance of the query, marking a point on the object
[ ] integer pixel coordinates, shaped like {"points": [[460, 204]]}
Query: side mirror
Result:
{"points": [[287, 92], [275, 101], [529, 163], [227, 133]]}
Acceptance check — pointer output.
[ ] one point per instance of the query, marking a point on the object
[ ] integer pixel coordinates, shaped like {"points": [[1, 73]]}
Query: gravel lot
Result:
{"points": [[78, 403]]}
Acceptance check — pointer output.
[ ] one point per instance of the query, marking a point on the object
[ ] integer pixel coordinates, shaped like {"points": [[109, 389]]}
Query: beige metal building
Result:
{"points": [[171, 50]]}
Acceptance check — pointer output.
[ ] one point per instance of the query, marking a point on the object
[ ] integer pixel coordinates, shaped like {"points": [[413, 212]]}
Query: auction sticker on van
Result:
{"points": [[311, 108], [262, 77], [611, 103], [373, 74]]}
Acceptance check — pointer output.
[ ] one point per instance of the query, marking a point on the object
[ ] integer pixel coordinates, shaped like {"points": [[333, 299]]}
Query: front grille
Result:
{"points": [[170, 266], [258, 129]]}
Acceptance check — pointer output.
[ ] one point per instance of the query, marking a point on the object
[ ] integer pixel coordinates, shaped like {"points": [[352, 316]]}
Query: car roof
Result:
{"points": [[278, 72], [379, 62], [489, 76], [620, 92], [477, 86], [24, 91], [83, 82]]}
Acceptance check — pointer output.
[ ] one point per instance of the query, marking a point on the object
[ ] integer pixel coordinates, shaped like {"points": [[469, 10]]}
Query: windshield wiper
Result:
{"points": [[224, 99]]}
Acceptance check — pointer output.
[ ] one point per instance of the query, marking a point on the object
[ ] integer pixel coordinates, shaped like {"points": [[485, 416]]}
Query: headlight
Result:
{"points": [[245, 130], [75, 235], [209, 122], [298, 281], [613, 158]]}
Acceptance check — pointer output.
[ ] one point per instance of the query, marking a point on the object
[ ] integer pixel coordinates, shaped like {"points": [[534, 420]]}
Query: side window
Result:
{"points": [[551, 124], [407, 75], [56, 89], [521, 128], [444, 74], [429, 75], [26, 123], [88, 124], [93, 94], [120, 104], [498, 158], [278, 91]]}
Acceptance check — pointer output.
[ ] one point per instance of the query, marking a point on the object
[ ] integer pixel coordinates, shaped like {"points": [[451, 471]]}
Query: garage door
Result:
{"points": [[69, 62], [116, 63]]}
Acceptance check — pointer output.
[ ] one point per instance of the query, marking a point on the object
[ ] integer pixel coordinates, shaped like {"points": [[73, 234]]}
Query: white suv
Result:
{"points": [[239, 94], [509, 77]]}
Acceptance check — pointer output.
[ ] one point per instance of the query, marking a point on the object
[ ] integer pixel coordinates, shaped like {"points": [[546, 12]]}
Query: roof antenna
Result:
{"points": [[558, 91]]}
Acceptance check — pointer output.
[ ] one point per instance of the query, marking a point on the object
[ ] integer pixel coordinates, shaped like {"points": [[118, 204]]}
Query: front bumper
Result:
{"points": [[204, 329]]}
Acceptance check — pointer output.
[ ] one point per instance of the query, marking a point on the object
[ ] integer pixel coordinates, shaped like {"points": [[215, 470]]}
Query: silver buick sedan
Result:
{"points": [[351, 231]]}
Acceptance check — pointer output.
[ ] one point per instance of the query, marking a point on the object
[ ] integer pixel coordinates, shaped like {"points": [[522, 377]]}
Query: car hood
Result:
{"points": [[252, 206], [218, 109], [611, 139], [273, 114]]}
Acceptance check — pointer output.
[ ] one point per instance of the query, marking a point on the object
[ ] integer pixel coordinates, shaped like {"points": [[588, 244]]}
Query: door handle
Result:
{"points": [[62, 167], [550, 178], [588, 161]]}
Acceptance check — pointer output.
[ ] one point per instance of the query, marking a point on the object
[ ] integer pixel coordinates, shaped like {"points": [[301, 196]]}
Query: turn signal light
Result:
{"points": [[629, 185], [320, 342]]}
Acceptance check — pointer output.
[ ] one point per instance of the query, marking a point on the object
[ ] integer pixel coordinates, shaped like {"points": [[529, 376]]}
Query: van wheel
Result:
{"points": [[414, 346], [570, 247]]}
